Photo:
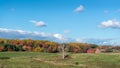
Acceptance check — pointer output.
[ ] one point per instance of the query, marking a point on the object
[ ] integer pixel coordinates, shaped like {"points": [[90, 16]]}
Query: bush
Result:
{"points": [[37, 49], [4, 57], [76, 63], [1, 48], [109, 50]]}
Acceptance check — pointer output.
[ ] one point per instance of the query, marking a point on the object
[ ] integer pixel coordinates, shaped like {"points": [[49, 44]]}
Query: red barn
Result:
{"points": [[91, 51]]}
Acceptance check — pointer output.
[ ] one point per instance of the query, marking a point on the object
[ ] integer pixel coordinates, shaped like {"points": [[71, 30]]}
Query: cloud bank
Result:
{"points": [[99, 41], [21, 34], [110, 24]]}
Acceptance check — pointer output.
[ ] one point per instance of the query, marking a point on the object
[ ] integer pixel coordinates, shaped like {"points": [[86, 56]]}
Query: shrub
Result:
{"points": [[1, 48], [37, 49], [109, 50], [76, 63], [4, 57]]}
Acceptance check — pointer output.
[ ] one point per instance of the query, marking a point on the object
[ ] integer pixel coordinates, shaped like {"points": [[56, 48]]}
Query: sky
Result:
{"points": [[88, 21]]}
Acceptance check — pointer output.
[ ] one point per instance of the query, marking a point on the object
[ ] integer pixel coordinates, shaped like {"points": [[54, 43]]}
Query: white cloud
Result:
{"points": [[110, 24], [111, 42], [80, 40], [21, 34], [40, 33], [38, 23], [79, 8], [58, 36], [99, 41]]}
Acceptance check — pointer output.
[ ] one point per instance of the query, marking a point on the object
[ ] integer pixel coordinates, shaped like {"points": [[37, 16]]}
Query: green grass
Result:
{"points": [[25, 60]]}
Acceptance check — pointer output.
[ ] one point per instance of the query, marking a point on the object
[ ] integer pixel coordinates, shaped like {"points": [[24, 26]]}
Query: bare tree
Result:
{"points": [[63, 51], [63, 44]]}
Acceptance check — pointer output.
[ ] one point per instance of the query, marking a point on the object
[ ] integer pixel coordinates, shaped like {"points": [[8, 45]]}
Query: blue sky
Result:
{"points": [[91, 21]]}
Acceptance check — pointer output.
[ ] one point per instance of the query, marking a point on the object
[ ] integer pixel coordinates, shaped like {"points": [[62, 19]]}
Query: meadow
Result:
{"points": [[53, 60]]}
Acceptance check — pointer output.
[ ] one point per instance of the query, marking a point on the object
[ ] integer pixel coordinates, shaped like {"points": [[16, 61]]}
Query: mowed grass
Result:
{"points": [[78, 60]]}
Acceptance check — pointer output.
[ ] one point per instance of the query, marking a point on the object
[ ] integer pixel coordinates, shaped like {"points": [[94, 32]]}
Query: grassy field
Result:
{"points": [[53, 60]]}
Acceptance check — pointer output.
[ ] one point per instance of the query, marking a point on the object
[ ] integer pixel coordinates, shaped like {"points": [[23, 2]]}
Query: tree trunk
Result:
{"points": [[63, 51]]}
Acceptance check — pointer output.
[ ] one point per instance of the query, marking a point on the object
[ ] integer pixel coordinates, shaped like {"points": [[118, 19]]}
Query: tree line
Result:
{"points": [[51, 47]]}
